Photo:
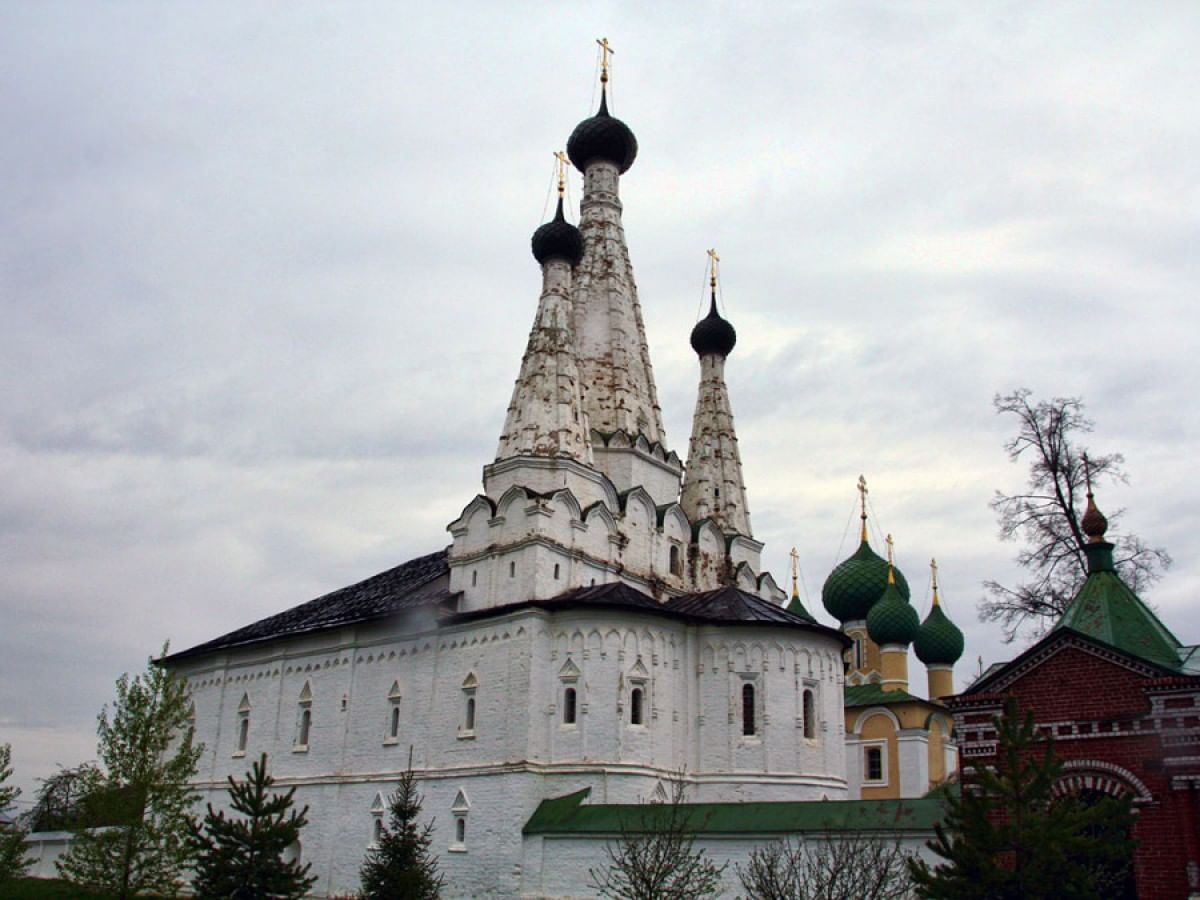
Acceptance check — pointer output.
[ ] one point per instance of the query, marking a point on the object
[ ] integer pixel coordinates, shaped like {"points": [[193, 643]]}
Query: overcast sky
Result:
{"points": [[266, 282]]}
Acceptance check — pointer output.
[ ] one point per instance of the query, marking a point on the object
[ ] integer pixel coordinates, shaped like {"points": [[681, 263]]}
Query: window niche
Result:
{"points": [[639, 676], [304, 719], [568, 677], [808, 713], [749, 709], [393, 721], [676, 560], [459, 813], [378, 808], [470, 688], [243, 726]]}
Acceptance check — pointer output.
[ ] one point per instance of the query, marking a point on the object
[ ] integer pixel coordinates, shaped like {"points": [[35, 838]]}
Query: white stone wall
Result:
{"points": [[520, 751]]}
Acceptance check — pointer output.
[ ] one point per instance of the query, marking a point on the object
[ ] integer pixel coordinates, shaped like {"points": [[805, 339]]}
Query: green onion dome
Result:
{"points": [[853, 587], [939, 641], [893, 620]]}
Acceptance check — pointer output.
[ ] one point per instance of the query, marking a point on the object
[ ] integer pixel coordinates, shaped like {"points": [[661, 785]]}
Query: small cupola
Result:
{"points": [[939, 641], [713, 334], [892, 620], [558, 238]]}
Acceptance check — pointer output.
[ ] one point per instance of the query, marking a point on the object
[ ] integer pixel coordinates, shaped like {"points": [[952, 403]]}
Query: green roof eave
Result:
{"points": [[1106, 610], [569, 815], [872, 694]]}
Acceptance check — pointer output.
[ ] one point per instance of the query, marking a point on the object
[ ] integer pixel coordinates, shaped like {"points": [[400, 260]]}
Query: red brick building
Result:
{"points": [[1121, 696]]}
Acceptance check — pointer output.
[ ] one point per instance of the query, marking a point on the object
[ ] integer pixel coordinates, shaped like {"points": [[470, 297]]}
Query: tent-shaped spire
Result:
{"points": [[713, 487], [545, 416]]}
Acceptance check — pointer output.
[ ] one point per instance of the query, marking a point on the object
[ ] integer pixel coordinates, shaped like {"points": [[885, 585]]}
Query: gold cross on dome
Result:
{"points": [[934, 569], [891, 548], [605, 52], [795, 571], [562, 172], [713, 260]]}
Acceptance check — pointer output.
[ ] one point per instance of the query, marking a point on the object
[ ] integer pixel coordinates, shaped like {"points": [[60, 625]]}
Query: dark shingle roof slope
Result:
{"points": [[419, 582], [729, 604]]}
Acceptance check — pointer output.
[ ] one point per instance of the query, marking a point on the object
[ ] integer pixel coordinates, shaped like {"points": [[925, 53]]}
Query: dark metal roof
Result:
{"points": [[730, 604], [423, 581]]}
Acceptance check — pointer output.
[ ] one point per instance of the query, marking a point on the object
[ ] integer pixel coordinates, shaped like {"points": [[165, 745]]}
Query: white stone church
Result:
{"points": [[599, 623]]}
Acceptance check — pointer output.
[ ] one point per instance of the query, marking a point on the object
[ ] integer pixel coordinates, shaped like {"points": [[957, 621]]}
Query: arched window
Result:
{"points": [[569, 706], [304, 722], [243, 732], [860, 653], [676, 560], [469, 687], [810, 725], [393, 727], [635, 707], [378, 834], [460, 810], [748, 709]]}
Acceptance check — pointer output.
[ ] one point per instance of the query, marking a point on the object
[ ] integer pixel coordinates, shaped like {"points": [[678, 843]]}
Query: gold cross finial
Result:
{"points": [[795, 573], [933, 568], [605, 52], [1087, 473], [713, 260], [862, 499], [562, 172], [891, 563]]}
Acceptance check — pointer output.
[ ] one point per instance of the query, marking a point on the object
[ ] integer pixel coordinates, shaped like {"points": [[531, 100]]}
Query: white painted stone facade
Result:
{"points": [[583, 493]]}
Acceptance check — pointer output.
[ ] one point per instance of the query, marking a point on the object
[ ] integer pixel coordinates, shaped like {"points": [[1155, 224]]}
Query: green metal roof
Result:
{"points": [[871, 694], [854, 586], [1107, 610], [570, 815], [938, 640]]}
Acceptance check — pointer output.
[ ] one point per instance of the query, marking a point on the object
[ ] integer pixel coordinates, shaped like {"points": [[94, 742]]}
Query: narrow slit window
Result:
{"points": [[243, 732], [676, 561], [512, 570], [635, 707], [810, 726], [569, 706], [460, 829], [748, 709], [394, 729], [470, 714], [305, 725], [474, 577], [378, 829]]}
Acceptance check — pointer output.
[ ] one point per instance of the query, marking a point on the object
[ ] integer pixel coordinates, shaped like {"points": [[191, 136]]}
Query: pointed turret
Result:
{"points": [[939, 644], [712, 483], [616, 377], [796, 605], [1107, 610], [545, 416]]}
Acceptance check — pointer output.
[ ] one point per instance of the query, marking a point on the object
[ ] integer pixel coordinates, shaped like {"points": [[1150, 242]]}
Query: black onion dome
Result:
{"points": [[558, 239], [602, 137], [713, 334]]}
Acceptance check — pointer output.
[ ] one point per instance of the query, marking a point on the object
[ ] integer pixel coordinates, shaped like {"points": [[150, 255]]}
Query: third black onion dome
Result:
{"points": [[713, 334]]}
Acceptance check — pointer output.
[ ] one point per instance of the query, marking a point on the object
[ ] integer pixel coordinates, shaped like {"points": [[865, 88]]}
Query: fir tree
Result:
{"points": [[13, 847], [1008, 835], [142, 794], [399, 866], [243, 858]]}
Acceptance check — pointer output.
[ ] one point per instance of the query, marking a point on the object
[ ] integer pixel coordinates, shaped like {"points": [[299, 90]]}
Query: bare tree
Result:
{"points": [[655, 857], [1046, 517], [855, 865]]}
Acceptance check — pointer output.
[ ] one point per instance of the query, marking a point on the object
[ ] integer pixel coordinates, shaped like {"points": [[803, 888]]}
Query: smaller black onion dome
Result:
{"points": [[602, 137], [713, 334], [558, 239]]}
